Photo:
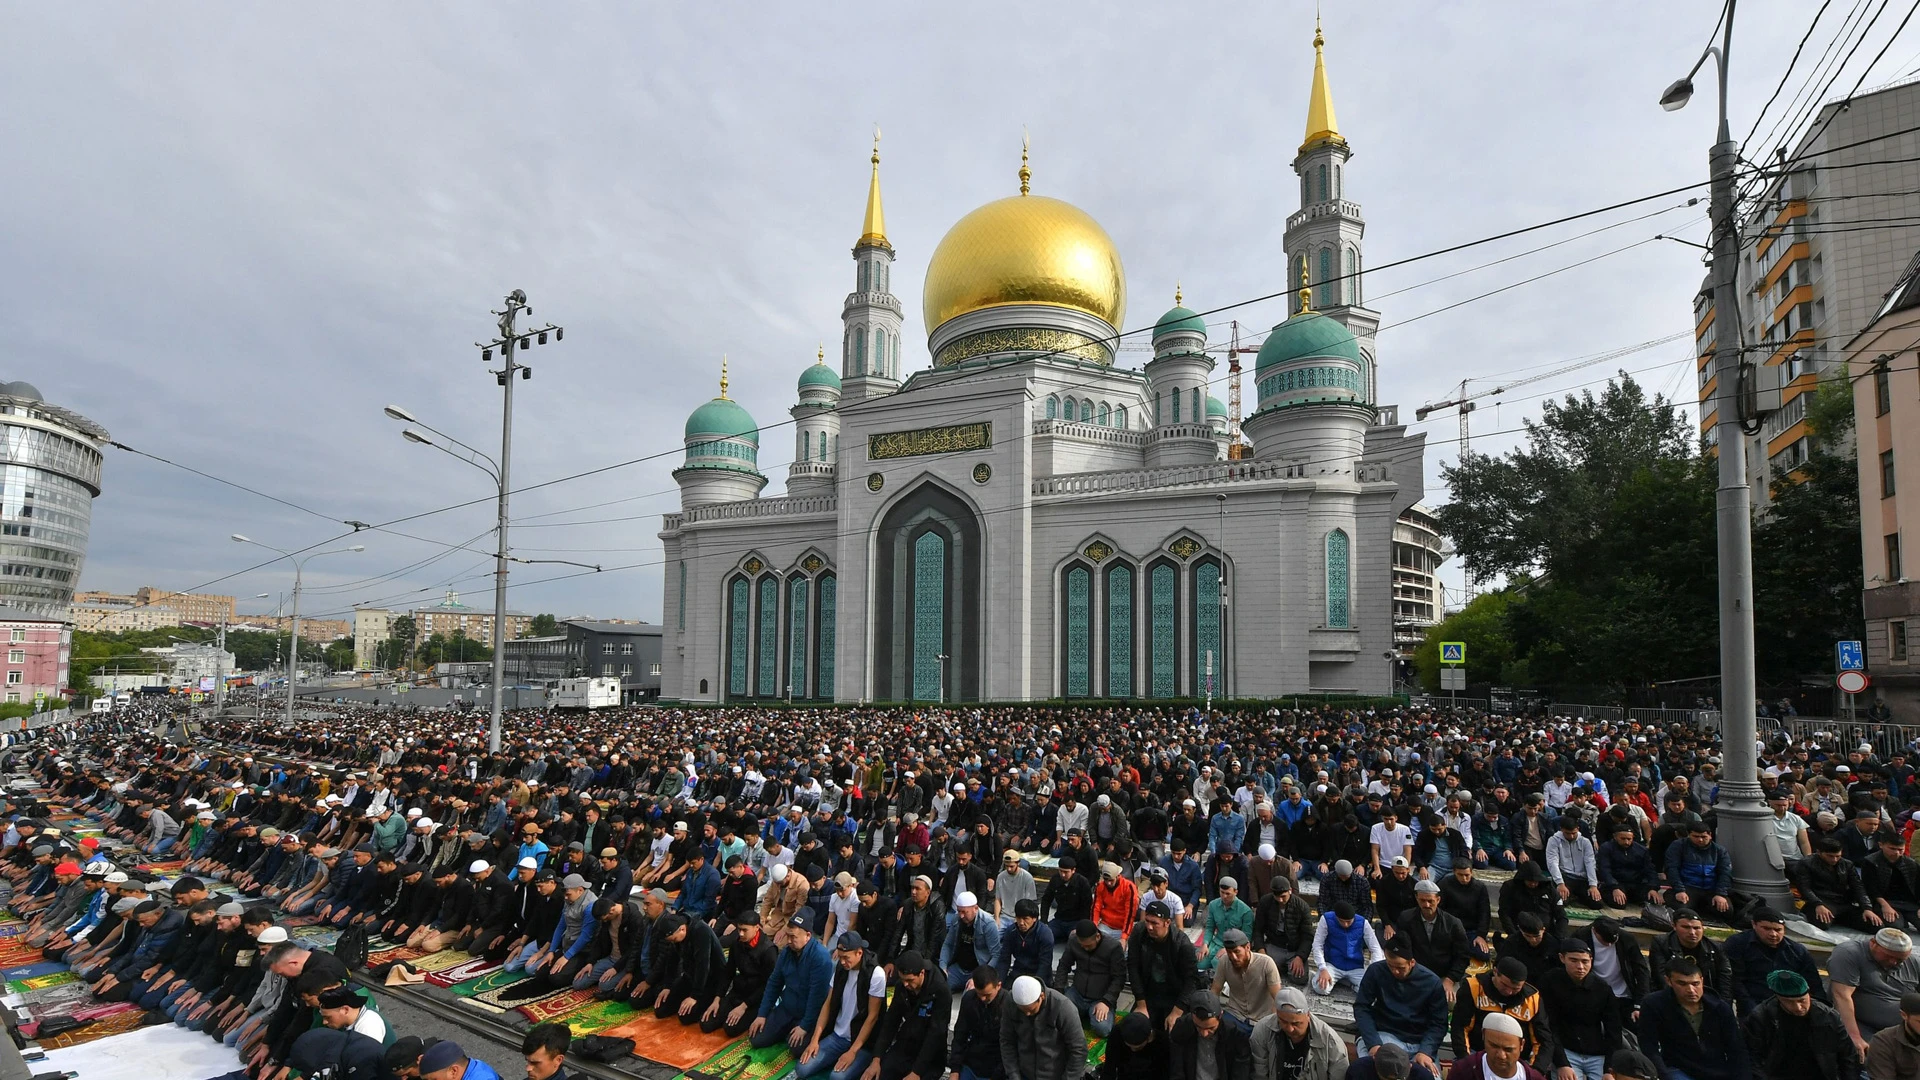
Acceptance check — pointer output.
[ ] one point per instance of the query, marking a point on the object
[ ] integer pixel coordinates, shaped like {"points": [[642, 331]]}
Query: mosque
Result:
{"points": [[1026, 520]]}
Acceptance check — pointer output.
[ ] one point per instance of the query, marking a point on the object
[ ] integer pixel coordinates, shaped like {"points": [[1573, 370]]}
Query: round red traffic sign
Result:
{"points": [[1851, 682]]}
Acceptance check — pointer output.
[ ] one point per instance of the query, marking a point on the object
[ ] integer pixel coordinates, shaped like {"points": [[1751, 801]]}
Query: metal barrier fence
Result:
{"points": [[1588, 712], [1834, 733]]}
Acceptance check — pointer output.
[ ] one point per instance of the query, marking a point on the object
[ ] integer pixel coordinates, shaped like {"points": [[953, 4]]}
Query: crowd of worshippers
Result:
{"points": [[711, 866]]}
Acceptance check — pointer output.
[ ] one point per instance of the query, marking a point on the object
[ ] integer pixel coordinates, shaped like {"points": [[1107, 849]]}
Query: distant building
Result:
{"points": [[46, 499], [95, 617], [1886, 406], [624, 650], [1418, 552], [450, 616], [206, 608], [189, 663], [371, 627], [321, 630], [39, 653]]}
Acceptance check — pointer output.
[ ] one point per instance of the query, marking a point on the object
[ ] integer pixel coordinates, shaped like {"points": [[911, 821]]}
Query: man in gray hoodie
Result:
{"points": [[1292, 1033], [1040, 1034]]}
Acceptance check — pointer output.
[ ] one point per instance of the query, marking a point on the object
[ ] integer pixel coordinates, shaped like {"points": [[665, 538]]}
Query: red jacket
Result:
{"points": [[1117, 906]]}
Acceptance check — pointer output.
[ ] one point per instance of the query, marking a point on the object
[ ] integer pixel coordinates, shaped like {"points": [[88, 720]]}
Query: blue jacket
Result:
{"points": [[1226, 832], [1413, 1009], [986, 939], [1030, 953], [1689, 867], [700, 893], [1718, 1052], [799, 983], [1183, 877]]}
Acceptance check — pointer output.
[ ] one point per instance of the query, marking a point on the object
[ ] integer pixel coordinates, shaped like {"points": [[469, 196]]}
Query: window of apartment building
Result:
{"points": [[626, 649], [1882, 390], [653, 669], [1886, 474], [606, 649], [13, 697], [606, 670], [15, 678], [1894, 573], [17, 635], [16, 656], [1897, 640], [626, 671]]}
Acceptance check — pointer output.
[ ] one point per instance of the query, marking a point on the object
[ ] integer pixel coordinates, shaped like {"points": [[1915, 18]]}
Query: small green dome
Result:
{"points": [[1178, 319], [1308, 335], [819, 375], [723, 418], [1215, 407]]}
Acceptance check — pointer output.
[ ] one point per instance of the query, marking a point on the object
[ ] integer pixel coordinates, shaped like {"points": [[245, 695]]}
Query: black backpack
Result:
{"points": [[351, 949]]}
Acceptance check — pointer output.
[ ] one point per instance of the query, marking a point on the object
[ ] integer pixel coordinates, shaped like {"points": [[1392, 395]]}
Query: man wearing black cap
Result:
{"points": [[1793, 1037], [843, 1037], [1893, 881], [690, 969], [337, 1054], [1833, 889], [1689, 938], [975, 1053], [1067, 900], [913, 1034], [1201, 1045], [1138, 1051], [1092, 972], [1630, 1065], [347, 1009], [1530, 891], [1401, 1003], [1161, 966], [1026, 945], [1581, 1009], [445, 1060], [750, 958], [1764, 948], [1505, 989]]}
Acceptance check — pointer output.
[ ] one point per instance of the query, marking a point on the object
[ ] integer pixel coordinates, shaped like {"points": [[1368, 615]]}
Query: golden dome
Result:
{"points": [[1025, 249]]}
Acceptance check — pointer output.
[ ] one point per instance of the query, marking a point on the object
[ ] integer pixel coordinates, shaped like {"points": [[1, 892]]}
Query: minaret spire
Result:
{"points": [[873, 230], [723, 375], [1026, 174], [1321, 126]]}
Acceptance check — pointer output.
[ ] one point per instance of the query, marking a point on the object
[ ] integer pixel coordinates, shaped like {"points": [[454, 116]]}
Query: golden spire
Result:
{"points": [[820, 356], [1306, 292], [1322, 130], [723, 376], [1176, 294], [1026, 174], [874, 230]]}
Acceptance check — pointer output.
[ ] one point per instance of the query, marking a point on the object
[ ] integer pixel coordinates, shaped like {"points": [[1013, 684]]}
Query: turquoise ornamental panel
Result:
{"points": [[1161, 630], [797, 637], [769, 637], [683, 596], [1339, 613], [929, 613], [1079, 633], [1119, 632], [823, 677], [1206, 625], [737, 628]]}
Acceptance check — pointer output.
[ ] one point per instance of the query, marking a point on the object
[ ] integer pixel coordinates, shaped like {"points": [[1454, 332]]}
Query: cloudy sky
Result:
{"points": [[232, 233]]}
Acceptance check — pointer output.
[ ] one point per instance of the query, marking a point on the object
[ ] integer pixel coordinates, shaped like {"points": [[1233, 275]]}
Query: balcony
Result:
{"points": [[1340, 208], [788, 506]]}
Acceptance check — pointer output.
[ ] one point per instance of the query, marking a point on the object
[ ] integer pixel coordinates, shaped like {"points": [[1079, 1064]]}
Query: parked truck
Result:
{"points": [[598, 693]]}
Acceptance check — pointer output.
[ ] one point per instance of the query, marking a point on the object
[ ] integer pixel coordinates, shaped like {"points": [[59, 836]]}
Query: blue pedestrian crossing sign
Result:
{"points": [[1849, 656], [1453, 652]]}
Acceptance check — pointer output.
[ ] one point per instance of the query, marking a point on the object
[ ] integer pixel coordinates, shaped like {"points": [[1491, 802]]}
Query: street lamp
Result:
{"points": [[943, 678], [299, 568], [512, 340], [1757, 870]]}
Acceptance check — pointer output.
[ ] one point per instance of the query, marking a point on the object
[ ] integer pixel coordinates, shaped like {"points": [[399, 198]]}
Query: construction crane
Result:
{"points": [[1236, 449], [1461, 402], [1465, 402]]}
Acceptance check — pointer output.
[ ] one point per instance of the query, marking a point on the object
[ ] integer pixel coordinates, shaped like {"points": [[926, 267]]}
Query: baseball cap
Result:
{"points": [[573, 881], [1391, 1062]]}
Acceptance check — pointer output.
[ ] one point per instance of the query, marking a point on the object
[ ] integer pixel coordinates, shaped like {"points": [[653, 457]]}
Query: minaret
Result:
{"points": [[870, 345], [1179, 431], [723, 453], [816, 427], [1323, 236]]}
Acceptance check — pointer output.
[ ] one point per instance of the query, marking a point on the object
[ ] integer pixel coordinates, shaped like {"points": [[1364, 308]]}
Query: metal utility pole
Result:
{"points": [[220, 669], [1744, 830], [299, 568]]}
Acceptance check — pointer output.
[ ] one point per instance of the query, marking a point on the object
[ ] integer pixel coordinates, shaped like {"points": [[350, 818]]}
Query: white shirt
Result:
{"points": [[1558, 792], [371, 1025], [1175, 906], [1786, 834], [876, 988], [1606, 964], [1392, 844], [843, 909]]}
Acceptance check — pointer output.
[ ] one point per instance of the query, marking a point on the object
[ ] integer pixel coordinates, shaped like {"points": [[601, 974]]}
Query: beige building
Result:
{"points": [[450, 616], [204, 608], [99, 617], [371, 626], [1886, 405]]}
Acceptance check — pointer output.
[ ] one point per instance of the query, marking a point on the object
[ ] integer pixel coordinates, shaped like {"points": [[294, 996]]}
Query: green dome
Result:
{"points": [[723, 418], [1309, 335], [819, 375], [1215, 407], [1177, 319]]}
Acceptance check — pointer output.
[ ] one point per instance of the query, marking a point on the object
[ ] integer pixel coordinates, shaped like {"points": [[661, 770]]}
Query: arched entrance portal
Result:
{"points": [[927, 589]]}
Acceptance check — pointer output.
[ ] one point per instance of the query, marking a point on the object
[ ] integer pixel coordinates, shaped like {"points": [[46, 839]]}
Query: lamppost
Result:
{"points": [[1757, 869], [511, 339], [299, 567], [943, 678]]}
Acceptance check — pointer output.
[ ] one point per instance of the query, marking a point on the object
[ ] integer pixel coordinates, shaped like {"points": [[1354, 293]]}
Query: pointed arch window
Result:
{"points": [[1086, 410], [1329, 284], [823, 446], [797, 598], [929, 615], [1197, 395], [767, 651], [1106, 415], [859, 351], [739, 627], [1176, 404], [1353, 275], [1162, 626], [1339, 581], [1323, 181], [865, 268], [1079, 631], [1120, 417], [880, 354], [1336, 180], [1209, 650], [1053, 407], [1066, 409], [823, 653], [683, 595], [1120, 631]]}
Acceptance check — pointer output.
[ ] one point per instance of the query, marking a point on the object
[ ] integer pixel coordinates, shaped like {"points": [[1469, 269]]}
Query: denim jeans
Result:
{"points": [[591, 975], [831, 1048], [1388, 1039], [1497, 860], [1100, 1028], [518, 961], [1587, 1066]]}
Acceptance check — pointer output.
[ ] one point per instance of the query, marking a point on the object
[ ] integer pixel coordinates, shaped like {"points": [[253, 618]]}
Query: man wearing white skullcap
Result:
{"points": [[1501, 1058], [972, 940], [1041, 1037]]}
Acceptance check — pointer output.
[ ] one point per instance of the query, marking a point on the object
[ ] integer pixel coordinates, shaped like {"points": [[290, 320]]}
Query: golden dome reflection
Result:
{"points": [[1025, 249]]}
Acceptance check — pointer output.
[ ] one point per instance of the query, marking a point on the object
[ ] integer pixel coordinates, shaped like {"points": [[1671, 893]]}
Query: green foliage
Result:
{"points": [[1806, 548], [340, 655], [543, 626], [450, 648], [1482, 625], [14, 710]]}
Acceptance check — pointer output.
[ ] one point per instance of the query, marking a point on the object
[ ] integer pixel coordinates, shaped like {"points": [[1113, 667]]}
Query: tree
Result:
{"points": [[339, 655], [402, 631], [543, 626], [1482, 625], [1806, 546]]}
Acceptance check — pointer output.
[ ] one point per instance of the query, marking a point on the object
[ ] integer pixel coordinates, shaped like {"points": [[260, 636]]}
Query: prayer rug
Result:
{"points": [[669, 1042], [116, 1024], [47, 967], [15, 952], [492, 997], [553, 1006], [459, 973], [496, 980], [768, 1063], [41, 981], [316, 937], [440, 961], [596, 1017], [53, 999], [374, 960]]}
